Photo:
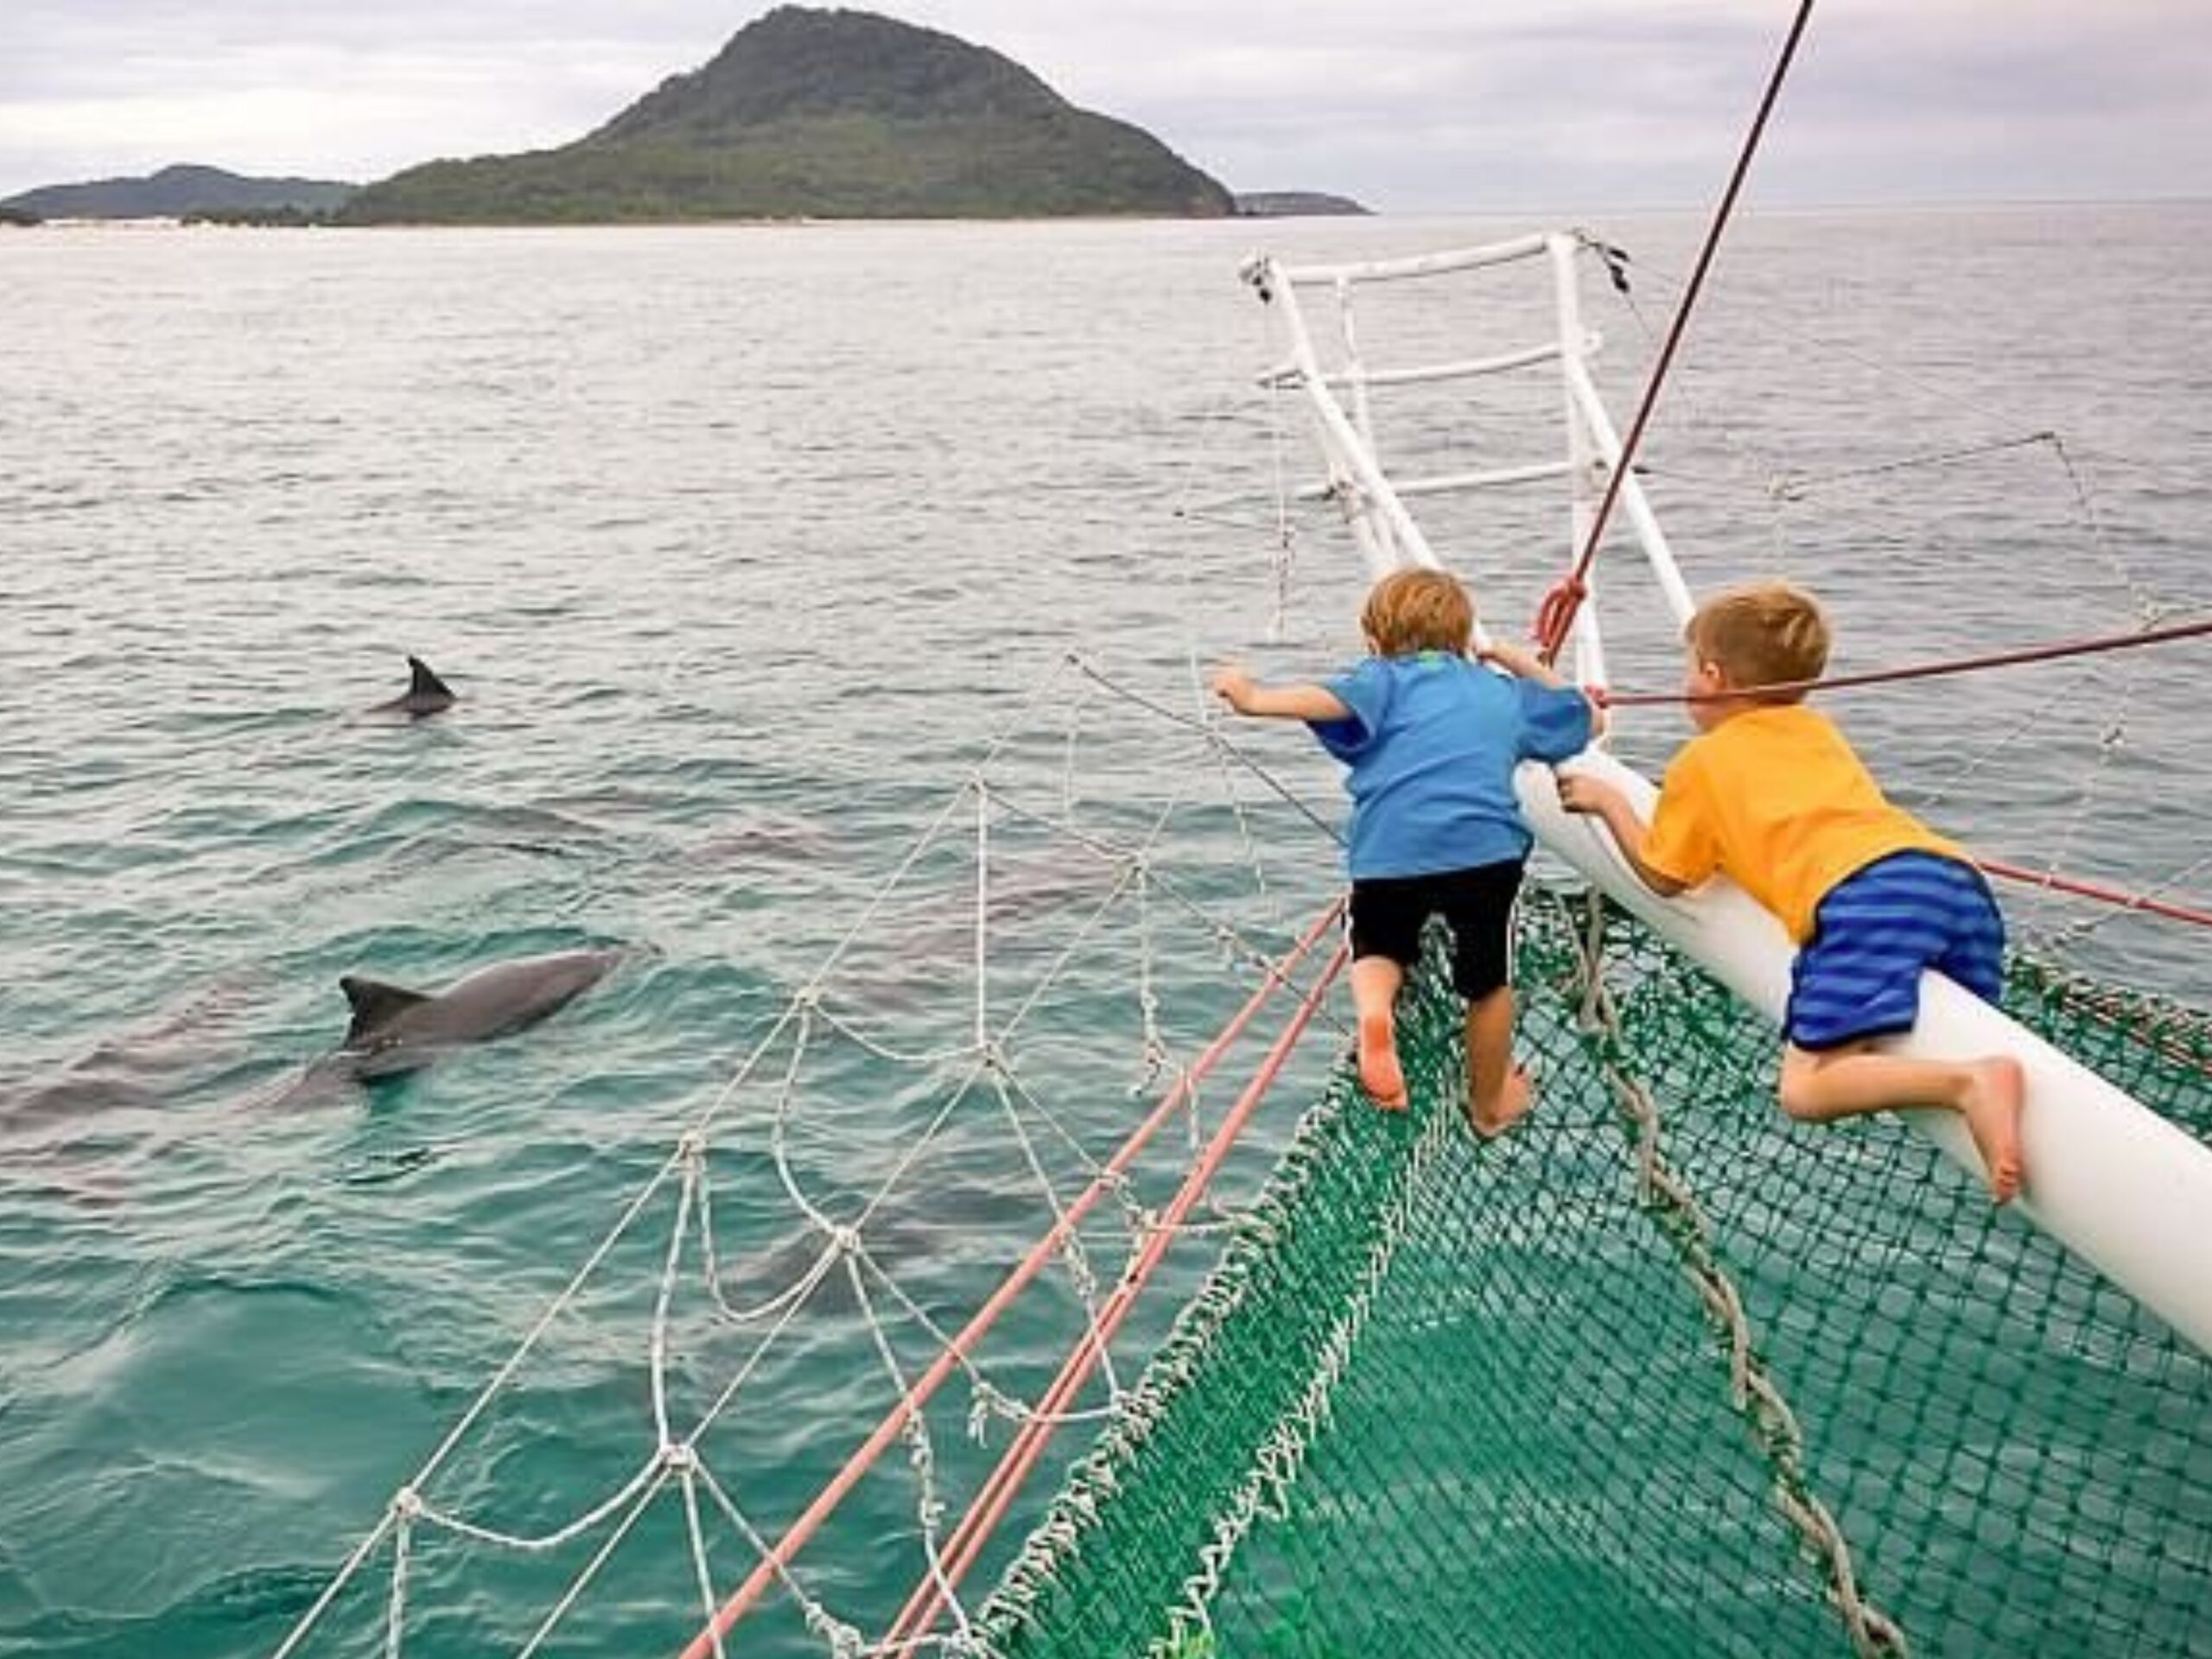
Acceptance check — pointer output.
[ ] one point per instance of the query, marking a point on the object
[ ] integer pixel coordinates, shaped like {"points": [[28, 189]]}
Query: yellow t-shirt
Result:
{"points": [[1775, 798]]}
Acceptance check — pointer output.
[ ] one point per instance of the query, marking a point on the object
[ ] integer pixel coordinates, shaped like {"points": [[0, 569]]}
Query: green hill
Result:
{"points": [[821, 114], [175, 192], [1295, 204]]}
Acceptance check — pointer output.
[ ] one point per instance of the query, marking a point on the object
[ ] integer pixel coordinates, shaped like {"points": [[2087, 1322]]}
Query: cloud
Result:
{"points": [[1407, 104]]}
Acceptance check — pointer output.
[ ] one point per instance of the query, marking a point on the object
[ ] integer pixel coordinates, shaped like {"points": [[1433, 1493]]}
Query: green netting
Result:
{"points": [[1448, 1397]]}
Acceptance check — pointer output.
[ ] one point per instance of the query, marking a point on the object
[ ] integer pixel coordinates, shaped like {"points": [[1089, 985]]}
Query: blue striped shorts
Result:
{"points": [[1858, 976]]}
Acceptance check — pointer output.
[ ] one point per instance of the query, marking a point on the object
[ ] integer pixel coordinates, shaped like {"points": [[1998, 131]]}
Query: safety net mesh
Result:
{"points": [[1660, 1371]]}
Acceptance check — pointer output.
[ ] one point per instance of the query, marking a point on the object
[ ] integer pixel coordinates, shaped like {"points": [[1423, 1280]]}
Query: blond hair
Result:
{"points": [[1762, 634], [1411, 611]]}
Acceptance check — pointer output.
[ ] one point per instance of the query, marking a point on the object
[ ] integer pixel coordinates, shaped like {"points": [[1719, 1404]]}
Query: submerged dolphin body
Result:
{"points": [[426, 694], [396, 1029], [136, 1068]]}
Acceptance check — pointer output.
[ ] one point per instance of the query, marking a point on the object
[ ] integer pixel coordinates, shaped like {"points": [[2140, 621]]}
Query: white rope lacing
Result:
{"points": [[831, 1236]]}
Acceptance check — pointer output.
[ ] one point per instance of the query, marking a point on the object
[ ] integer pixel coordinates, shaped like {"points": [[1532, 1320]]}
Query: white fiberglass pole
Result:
{"points": [[2107, 1177]]}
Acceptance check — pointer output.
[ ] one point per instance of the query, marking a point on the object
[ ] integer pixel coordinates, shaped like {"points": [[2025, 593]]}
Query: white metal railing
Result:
{"points": [[1420, 264], [1286, 375], [1375, 506]]}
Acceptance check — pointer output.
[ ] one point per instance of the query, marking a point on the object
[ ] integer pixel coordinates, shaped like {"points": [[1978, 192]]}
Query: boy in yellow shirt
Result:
{"points": [[1771, 794]]}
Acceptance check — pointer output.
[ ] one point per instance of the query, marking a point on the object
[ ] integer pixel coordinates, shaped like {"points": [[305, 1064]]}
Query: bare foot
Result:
{"points": [[1992, 1107], [1514, 1100], [1379, 1073]]}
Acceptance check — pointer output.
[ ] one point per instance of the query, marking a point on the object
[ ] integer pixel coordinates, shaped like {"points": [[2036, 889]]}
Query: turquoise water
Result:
{"points": [[739, 544]]}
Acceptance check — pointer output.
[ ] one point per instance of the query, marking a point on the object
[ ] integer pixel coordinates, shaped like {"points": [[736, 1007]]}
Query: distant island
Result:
{"points": [[178, 193], [804, 114], [1295, 204], [820, 114]]}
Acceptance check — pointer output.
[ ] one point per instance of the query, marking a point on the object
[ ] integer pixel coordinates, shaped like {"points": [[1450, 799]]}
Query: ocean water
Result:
{"points": [[742, 547]]}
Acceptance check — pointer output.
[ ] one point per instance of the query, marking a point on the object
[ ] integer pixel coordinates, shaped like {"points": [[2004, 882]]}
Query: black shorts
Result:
{"points": [[1386, 913]]}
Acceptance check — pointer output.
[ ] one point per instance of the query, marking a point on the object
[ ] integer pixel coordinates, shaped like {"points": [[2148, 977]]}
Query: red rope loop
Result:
{"points": [[1555, 615]]}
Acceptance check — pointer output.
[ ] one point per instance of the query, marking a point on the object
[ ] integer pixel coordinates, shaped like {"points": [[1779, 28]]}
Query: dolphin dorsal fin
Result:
{"points": [[425, 683], [375, 1004]]}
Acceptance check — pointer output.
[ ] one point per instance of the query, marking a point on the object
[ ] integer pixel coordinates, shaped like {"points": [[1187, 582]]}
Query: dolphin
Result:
{"points": [[426, 694], [396, 1029]]}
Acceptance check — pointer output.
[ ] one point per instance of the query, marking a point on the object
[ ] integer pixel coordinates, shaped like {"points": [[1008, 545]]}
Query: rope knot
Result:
{"points": [[981, 1409], [845, 1240], [679, 1457], [407, 1504], [1556, 615], [845, 1640]]}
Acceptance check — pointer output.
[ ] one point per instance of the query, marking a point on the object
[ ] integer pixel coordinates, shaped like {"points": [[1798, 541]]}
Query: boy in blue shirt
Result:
{"points": [[1432, 740]]}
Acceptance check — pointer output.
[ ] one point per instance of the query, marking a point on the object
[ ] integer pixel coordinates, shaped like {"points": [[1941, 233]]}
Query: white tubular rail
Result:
{"points": [[1495, 478], [1536, 473], [1373, 504], [1385, 531], [2107, 1177], [1578, 345], [1420, 264], [1634, 502], [1286, 375]]}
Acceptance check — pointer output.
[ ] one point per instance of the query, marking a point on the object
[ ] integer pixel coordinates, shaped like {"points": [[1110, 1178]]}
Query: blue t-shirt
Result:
{"points": [[1432, 742]]}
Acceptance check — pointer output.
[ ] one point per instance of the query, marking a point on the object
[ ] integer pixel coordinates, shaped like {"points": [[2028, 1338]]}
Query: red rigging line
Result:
{"points": [[2117, 897], [709, 1640], [2051, 652], [927, 1603], [1557, 613]]}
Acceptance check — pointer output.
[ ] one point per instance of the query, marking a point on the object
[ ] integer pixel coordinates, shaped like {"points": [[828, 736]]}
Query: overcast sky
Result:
{"points": [[1409, 104]]}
